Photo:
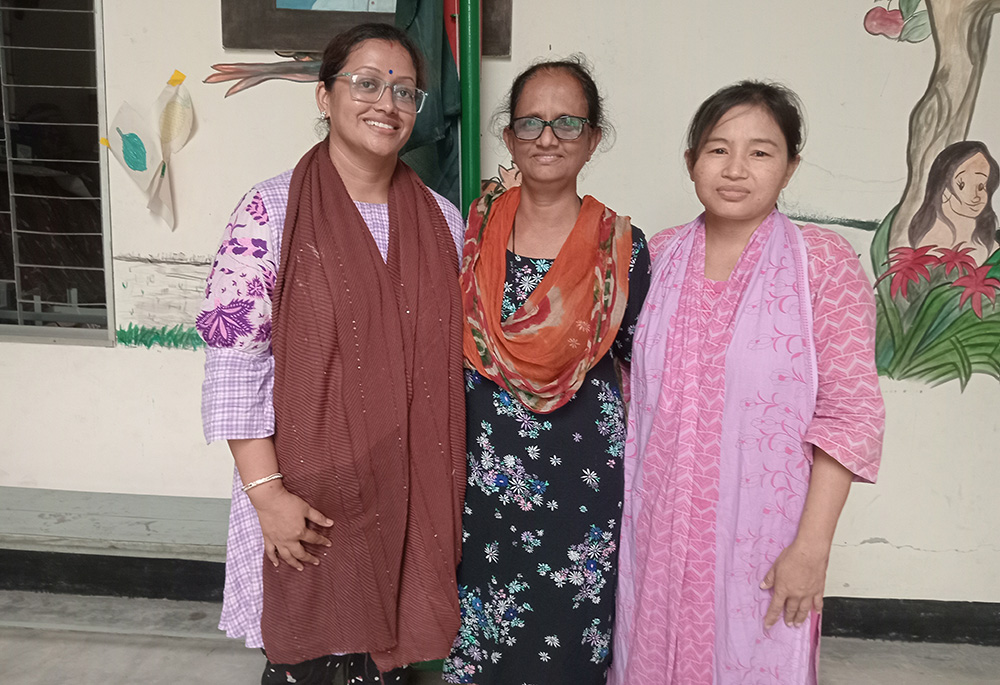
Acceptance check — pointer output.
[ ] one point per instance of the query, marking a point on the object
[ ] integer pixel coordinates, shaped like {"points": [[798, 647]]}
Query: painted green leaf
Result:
{"points": [[938, 372], [981, 354], [887, 332], [890, 328], [133, 151], [994, 261], [947, 315], [916, 342], [908, 7], [919, 317], [917, 28], [969, 327], [969, 346], [950, 371], [988, 365], [963, 362]]}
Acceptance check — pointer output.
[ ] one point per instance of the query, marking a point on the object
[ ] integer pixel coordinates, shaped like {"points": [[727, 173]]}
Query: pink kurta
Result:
{"points": [[732, 385]]}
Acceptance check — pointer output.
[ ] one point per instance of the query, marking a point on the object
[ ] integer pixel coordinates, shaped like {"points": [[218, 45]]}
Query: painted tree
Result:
{"points": [[938, 307], [961, 33]]}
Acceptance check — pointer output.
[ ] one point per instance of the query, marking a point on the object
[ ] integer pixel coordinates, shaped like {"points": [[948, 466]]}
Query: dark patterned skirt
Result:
{"points": [[541, 525]]}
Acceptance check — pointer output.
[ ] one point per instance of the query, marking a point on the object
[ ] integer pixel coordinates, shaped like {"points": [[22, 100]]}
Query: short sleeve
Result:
{"points": [[237, 395], [235, 323], [849, 419], [638, 286]]}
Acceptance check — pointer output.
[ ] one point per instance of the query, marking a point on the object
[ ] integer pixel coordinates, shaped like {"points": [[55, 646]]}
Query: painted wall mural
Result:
{"points": [[935, 254], [159, 296], [304, 68], [300, 25]]}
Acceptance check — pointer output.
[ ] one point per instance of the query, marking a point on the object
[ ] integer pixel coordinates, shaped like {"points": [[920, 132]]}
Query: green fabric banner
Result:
{"points": [[432, 150]]}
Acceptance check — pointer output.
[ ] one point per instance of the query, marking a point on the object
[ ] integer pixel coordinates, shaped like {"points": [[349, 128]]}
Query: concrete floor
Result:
{"points": [[47, 639]]}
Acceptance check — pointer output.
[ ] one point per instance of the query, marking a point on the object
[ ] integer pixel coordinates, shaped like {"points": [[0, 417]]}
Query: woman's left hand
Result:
{"points": [[797, 579]]}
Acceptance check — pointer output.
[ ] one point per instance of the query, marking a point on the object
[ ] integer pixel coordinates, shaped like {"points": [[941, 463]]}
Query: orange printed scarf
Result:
{"points": [[541, 353]]}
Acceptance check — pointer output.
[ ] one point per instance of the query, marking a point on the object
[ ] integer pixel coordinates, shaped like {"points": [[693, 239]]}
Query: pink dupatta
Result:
{"points": [[723, 387]]}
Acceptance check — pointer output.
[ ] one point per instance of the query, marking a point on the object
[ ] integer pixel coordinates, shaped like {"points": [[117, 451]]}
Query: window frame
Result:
{"points": [[27, 333]]}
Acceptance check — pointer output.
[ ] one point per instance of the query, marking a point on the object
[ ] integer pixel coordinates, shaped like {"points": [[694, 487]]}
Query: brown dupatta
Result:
{"points": [[543, 351], [369, 423]]}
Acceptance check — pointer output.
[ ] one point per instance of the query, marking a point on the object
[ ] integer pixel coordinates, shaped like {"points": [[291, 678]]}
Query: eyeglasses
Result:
{"points": [[365, 88], [564, 127]]}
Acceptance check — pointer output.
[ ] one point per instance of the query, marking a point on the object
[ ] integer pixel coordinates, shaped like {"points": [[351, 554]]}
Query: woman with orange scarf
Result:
{"points": [[552, 285]]}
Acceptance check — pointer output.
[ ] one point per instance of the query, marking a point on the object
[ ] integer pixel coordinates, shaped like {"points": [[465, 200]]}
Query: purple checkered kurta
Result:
{"points": [[237, 394]]}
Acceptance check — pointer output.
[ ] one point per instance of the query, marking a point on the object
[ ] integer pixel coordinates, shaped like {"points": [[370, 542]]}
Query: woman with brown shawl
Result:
{"points": [[358, 482]]}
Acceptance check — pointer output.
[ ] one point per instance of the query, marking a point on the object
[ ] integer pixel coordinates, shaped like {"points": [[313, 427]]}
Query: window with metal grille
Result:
{"points": [[53, 252]]}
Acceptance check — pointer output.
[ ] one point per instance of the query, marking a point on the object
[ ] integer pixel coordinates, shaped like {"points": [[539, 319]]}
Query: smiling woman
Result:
{"points": [[544, 401], [327, 362], [368, 125], [755, 404]]}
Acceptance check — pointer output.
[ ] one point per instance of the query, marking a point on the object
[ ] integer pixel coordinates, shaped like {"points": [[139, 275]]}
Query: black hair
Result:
{"points": [[339, 50], [574, 65], [781, 103], [939, 179]]}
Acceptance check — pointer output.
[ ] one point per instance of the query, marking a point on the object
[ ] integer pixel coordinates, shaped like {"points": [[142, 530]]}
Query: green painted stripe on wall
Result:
{"points": [[178, 337]]}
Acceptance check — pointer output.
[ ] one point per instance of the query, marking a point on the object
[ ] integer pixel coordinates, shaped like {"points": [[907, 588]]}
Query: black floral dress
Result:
{"points": [[542, 514]]}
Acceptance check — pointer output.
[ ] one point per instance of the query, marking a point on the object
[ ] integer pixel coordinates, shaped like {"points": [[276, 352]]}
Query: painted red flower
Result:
{"points": [[958, 259], [976, 285], [908, 265]]}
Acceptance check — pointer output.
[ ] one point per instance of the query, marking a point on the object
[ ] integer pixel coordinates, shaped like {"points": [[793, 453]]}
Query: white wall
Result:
{"points": [[928, 529], [127, 420], [656, 61], [106, 420]]}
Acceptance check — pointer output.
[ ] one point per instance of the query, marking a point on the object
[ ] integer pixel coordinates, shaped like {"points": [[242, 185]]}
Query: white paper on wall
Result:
{"points": [[161, 200], [145, 155], [174, 113], [133, 144]]}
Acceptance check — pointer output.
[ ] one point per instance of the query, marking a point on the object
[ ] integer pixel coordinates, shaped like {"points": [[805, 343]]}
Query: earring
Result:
{"points": [[323, 114]]}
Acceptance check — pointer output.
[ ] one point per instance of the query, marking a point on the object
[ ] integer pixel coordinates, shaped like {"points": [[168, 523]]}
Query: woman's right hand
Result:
{"points": [[283, 521]]}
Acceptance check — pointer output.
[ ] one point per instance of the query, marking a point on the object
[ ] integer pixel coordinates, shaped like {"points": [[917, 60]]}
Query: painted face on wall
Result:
{"points": [[549, 95], [742, 166], [370, 129], [967, 195]]}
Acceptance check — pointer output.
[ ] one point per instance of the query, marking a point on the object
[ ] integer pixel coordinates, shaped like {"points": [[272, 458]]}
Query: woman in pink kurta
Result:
{"points": [[755, 403]]}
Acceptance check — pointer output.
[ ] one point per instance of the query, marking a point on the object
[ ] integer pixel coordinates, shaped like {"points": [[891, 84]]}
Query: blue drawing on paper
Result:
{"points": [[133, 151]]}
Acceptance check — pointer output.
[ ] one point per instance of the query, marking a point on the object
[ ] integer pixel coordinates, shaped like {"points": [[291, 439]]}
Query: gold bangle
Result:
{"points": [[261, 481]]}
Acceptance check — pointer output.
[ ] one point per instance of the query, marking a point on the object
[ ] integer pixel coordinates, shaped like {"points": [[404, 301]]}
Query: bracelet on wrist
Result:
{"points": [[261, 481]]}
